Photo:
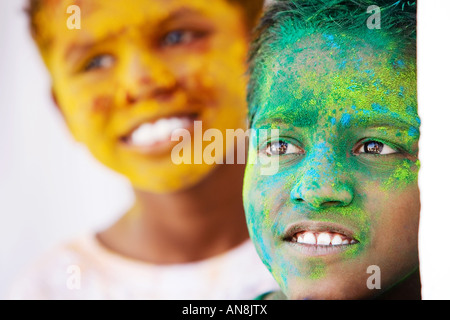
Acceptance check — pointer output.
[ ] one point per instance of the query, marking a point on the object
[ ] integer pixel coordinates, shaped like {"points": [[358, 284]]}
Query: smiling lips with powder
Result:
{"points": [[316, 236], [153, 136], [319, 239]]}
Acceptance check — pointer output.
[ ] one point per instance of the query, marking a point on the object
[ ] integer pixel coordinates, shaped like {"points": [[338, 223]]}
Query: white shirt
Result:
{"points": [[84, 269]]}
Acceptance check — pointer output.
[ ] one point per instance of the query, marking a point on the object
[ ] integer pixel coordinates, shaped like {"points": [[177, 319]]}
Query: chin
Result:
{"points": [[178, 179]]}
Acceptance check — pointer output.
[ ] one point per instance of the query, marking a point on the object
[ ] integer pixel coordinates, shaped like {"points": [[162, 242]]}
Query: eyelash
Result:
{"points": [[89, 66], [388, 149], [191, 35], [361, 148], [290, 148]]}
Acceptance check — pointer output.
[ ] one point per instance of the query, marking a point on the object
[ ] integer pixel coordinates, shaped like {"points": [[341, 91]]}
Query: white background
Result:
{"points": [[51, 189]]}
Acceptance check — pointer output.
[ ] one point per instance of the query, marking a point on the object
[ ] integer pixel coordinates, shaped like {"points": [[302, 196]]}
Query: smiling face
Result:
{"points": [[137, 70], [345, 196]]}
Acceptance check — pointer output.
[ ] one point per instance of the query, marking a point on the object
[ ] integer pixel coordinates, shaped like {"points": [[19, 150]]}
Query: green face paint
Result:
{"points": [[346, 112]]}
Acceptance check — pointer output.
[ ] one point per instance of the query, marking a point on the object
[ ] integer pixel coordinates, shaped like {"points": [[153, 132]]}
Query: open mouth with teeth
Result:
{"points": [[322, 239], [150, 135], [319, 239]]}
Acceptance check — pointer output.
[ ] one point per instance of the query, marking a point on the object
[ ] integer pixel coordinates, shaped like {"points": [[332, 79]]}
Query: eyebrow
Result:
{"points": [[180, 13], [75, 49], [299, 118], [389, 119], [365, 118]]}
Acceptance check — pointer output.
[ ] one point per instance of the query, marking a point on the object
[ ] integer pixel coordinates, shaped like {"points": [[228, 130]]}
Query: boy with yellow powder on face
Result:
{"points": [[132, 74]]}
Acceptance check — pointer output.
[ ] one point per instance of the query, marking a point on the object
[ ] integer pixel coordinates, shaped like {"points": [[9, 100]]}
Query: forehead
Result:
{"points": [[117, 10], [100, 18], [323, 72]]}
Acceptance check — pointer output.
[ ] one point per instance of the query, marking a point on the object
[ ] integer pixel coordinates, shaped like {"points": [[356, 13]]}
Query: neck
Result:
{"points": [[190, 225]]}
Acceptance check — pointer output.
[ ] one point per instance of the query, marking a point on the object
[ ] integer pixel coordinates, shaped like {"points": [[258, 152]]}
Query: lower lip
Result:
{"points": [[162, 147], [310, 250]]}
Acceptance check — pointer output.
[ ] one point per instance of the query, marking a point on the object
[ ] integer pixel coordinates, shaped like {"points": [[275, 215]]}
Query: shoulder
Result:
{"points": [[54, 273], [243, 272]]}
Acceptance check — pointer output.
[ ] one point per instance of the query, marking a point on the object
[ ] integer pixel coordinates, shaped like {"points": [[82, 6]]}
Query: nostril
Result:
{"points": [[163, 93], [332, 204], [130, 98]]}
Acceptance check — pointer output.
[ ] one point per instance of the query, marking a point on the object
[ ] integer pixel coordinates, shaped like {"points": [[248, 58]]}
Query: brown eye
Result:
{"points": [[279, 148], [376, 147], [373, 147], [102, 61], [177, 37]]}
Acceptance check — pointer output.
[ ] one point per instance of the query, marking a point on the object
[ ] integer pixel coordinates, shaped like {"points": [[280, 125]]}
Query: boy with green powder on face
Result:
{"points": [[339, 219]]}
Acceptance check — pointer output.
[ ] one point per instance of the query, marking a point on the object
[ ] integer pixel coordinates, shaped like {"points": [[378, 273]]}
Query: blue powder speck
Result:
{"points": [[343, 64], [345, 120], [413, 132], [378, 108], [399, 63]]}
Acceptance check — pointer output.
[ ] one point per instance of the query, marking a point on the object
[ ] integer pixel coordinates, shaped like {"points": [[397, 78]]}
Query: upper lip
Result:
{"points": [[316, 226]]}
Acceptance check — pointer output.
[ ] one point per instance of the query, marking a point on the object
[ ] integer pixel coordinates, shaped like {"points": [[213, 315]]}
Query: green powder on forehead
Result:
{"points": [[302, 96]]}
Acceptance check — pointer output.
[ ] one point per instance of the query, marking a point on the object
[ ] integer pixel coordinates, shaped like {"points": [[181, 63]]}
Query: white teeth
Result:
{"points": [[309, 238], [143, 135], [337, 240], [324, 238], [150, 133]]}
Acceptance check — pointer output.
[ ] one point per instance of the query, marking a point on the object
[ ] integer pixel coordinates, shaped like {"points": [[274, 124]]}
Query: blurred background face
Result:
{"points": [[138, 70], [345, 196]]}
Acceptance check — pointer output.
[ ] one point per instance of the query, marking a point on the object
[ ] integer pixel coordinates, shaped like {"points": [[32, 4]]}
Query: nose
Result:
{"points": [[144, 76], [322, 183]]}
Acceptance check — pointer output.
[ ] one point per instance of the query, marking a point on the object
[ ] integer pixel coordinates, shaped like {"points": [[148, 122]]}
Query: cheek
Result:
{"points": [[87, 112], [396, 211], [394, 215], [254, 197], [196, 80], [266, 196], [395, 228], [101, 104], [217, 71]]}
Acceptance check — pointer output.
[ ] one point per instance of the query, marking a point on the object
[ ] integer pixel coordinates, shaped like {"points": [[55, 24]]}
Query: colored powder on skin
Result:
{"points": [[402, 177], [378, 108], [363, 89], [317, 269], [345, 119], [413, 132], [93, 102]]}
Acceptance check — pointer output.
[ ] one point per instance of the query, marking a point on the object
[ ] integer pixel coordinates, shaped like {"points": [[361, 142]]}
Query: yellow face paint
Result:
{"points": [[140, 61]]}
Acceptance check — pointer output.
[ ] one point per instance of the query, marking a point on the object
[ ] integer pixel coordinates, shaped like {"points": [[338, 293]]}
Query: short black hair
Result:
{"points": [[398, 21]]}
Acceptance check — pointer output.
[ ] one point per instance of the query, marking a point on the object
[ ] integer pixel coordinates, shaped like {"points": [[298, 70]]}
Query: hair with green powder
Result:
{"points": [[398, 22]]}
